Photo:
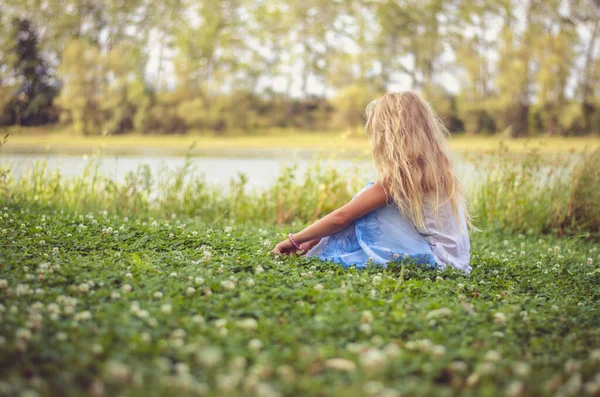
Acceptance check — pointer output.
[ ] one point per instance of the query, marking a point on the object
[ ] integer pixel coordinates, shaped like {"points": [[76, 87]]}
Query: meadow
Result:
{"points": [[163, 284]]}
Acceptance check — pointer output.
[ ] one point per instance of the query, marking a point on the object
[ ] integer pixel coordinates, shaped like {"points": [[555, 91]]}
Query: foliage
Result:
{"points": [[104, 304], [31, 102], [519, 68]]}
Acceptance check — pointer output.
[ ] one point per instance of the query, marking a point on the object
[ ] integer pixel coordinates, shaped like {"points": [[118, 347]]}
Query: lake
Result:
{"points": [[261, 171]]}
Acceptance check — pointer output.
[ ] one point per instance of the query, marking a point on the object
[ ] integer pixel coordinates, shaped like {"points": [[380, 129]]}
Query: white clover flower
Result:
{"points": [[439, 313], [377, 279], [248, 324], [515, 389], [521, 369], [366, 317], [255, 345], [118, 254], [250, 282], [209, 356], [199, 280], [56, 250], [228, 229], [61, 336], [198, 319], [158, 295], [438, 351], [128, 275], [97, 348], [166, 308], [506, 242], [319, 287], [42, 242], [499, 318], [572, 366], [459, 366], [115, 295], [190, 290], [228, 285], [182, 368], [145, 337], [126, 288], [259, 269], [83, 316], [3, 283], [341, 364], [556, 249], [590, 261], [23, 334], [372, 359], [118, 372], [365, 328], [492, 356], [173, 274]]}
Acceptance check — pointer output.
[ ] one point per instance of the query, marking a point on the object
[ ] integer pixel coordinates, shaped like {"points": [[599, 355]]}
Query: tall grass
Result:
{"points": [[528, 194]]}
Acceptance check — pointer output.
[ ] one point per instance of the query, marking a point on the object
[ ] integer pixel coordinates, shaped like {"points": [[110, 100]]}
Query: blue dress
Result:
{"points": [[381, 236]]}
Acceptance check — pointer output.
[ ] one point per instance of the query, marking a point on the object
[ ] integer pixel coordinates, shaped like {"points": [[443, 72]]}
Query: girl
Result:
{"points": [[415, 210]]}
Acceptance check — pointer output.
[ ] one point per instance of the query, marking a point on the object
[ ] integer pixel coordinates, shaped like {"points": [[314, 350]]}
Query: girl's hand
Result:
{"points": [[285, 247]]}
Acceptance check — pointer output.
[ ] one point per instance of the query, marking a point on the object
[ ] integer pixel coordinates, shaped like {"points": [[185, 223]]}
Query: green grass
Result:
{"points": [[163, 284], [58, 140], [95, 303]]}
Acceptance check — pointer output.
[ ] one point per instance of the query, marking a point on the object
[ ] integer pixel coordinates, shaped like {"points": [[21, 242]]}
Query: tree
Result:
{"points": [[31, 104]]}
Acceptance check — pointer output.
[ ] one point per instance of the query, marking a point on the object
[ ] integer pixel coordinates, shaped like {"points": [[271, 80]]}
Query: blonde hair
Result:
{"points": [[411, 156]]}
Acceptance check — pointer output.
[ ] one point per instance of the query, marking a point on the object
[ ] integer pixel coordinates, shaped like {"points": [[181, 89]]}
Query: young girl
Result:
{"points": [[415, 210]]}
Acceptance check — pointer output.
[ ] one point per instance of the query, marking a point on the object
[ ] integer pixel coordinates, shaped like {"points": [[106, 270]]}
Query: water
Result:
{"points": [[261, 172]]}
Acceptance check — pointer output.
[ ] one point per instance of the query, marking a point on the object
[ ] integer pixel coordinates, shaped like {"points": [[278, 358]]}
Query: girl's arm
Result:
{"points": [[371, 199]]}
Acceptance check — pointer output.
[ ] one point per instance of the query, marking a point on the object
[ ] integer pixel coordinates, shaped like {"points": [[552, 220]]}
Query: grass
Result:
{"points": [[268, 141], [101, 304], [163, 284]]}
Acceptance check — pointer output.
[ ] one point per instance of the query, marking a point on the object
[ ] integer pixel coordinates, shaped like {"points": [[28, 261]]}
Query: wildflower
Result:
{"points": [[439, 351], [228, 285], [190, 290], [572, 366], [173, 274], [61, 336], [83, 316], [84, 288], [259, 269], [56, 250], [255, 345], [590, 261], [97, 348], [126, 288], [209, 356], [198, 280], [23, 334], [492, 356], [198, 319], [42, 242], [115, 295], [166, 308], [158, 295], [439, 313], [556, 249], [118, 372], [521, 369], [515, 389], [366, 317], [365, 328], [3, 283], [319, 287], [372, 359], [248, 324], [341, 364], [145, 337], [499, 318], [505, 242], [459, 366], [250, 282]]}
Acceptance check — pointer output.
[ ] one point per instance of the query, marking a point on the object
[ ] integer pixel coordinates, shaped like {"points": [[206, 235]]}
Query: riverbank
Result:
{"points": [[267, 143]]}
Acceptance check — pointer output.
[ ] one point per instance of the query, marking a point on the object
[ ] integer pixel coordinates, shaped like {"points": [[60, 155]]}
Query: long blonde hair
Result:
{"points": [[411, 156]]}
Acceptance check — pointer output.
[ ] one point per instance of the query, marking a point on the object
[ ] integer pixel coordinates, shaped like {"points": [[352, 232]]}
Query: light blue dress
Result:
{"points": [[381, 236]]}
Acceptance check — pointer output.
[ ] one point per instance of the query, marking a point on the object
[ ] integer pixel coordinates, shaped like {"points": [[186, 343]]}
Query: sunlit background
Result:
{"points": [[257, 82]]}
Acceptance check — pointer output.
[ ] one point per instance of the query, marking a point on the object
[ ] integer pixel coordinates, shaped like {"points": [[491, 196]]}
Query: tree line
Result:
{"points": [[520, 67]]}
